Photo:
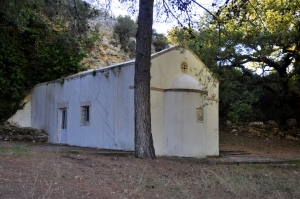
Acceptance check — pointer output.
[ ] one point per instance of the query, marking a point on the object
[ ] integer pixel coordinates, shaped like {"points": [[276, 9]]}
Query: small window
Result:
{"points": [[85, 116], [63, 118]]}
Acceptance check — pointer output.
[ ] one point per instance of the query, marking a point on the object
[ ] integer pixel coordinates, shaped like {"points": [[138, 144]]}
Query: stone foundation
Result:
{"points": [[13, 133]]}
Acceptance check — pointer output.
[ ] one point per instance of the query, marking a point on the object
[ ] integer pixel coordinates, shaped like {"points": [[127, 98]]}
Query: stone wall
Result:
{"points": [[268, 130], [13, 133]]}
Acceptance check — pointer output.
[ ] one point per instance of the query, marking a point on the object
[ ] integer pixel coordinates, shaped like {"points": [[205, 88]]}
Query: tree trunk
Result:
{"points": [[142, 114], [297, 112]]}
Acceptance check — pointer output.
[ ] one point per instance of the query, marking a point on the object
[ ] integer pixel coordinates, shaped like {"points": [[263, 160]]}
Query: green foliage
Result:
{"points": [[255, 37], [74, 152], [264, 35], [159, 41], [126, 29], [237, 97], [36, 48], [13, 80], [204, 44]]}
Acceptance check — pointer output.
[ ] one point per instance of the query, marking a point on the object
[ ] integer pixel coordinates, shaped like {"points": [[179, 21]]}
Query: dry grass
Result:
{"points": [[36, 173]]}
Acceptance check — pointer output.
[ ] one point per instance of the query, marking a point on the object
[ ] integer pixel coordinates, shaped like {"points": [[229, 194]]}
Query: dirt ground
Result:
{"points": [[260, 146], [31, 170]]}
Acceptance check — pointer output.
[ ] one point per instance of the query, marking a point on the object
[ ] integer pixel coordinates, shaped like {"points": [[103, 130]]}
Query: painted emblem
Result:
{"points": [[184, 67]]}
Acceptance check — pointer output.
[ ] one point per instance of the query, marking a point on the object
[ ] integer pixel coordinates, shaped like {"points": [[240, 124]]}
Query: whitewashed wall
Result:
{"points": [[111, 110], [22, 117]]}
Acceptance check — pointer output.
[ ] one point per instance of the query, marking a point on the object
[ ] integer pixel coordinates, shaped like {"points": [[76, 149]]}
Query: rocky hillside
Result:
{"points": [[107, 48]]}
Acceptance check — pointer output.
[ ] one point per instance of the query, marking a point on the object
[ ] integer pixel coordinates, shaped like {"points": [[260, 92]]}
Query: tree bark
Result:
{"points": [[297, 111], [142, 117]]}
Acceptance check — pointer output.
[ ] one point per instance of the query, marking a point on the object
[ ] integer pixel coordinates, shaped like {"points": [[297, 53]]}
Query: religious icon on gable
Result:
{"points": [[184, 67], [199, 114]]}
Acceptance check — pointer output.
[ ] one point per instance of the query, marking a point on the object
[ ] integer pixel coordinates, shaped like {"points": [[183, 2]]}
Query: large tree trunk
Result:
{"points": [[142, 114]]}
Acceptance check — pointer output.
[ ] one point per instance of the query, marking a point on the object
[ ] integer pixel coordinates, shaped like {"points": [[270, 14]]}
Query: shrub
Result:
{"points": [[126, 29]]}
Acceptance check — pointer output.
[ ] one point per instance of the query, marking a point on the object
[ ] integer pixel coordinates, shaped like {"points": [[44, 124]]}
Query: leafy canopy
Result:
{"points": [[259, 38], [126, 29], [39, 41]]}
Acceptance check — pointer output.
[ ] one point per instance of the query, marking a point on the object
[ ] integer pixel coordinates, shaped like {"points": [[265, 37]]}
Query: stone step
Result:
{"points": [[228, 152]]}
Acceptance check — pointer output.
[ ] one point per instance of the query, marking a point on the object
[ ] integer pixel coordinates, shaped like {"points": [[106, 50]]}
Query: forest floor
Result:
{"points": [[33, 170]]}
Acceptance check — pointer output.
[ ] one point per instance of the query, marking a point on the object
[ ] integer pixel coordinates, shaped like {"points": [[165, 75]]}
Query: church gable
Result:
{"points": [[166, 64], [182, 89]]}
